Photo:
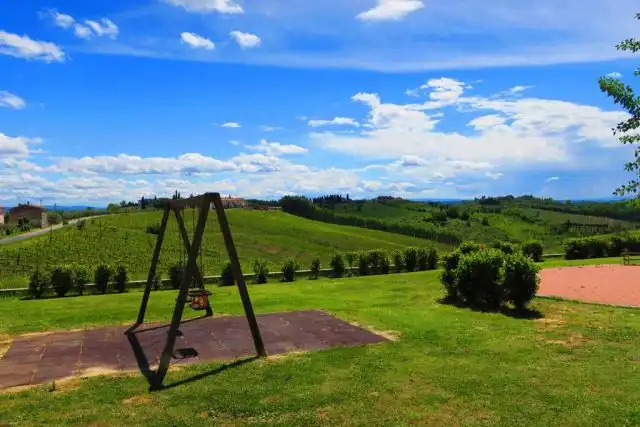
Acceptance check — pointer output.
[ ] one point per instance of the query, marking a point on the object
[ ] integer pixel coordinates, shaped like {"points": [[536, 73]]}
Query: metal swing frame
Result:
{"points": [[192, 271]]}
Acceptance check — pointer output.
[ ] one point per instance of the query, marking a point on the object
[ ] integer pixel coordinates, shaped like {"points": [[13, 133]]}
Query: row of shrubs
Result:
{"points": [[67, 278], [489, 278], [608, 245]]}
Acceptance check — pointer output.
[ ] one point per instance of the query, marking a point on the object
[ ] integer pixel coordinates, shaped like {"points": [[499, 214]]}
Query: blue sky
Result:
{"points": [[106, 100]]}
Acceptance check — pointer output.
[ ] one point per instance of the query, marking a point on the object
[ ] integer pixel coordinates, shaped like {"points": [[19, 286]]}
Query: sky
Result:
{"points": [[108, 100]]}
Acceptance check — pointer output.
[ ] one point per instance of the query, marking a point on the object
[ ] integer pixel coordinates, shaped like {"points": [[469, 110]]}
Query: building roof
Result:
{"points": [[32, 207]]}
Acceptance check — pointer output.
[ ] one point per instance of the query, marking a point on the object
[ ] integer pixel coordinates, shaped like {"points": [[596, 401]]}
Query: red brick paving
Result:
{"points": [[607, 284], [35, 359]]}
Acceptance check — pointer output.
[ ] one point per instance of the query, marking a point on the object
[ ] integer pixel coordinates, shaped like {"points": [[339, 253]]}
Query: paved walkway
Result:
{"points": [[36, 359], [605, 284], [40, 231]]}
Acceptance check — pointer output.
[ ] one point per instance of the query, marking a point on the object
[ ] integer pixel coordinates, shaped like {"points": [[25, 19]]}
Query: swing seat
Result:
{"points": [[198, 299]]}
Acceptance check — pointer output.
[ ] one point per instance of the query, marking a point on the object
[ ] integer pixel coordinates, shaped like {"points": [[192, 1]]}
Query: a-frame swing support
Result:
{"points": [[191, 270]]}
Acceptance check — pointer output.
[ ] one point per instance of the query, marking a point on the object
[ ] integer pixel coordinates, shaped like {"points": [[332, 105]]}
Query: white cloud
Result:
{"points": [[615, 75], [15, 146], [266, 128], [551, 179], [231, 125], [276, 148], [7, 99], [520, 131], [82, 31], [196, 41], [391, 10], [189, 163], [246, 40], [338, 121], [62, 20], [104, 28], [518, 89], [206, 6], [234, 142], [494, 175], [27, 48]]}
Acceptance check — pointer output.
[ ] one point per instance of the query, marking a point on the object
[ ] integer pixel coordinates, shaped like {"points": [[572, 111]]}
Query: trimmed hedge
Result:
{"points": [[289, 270], [38, 284], [533, 249], [489, 278], [61, 280], [102, 277], [337, 265], [261, 270], [226, 276], [606, 245]]}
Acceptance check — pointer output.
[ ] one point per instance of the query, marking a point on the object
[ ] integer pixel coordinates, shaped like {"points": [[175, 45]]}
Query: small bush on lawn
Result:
{"points": [[520, 280], [469, 247], [410, 259], [81, 276], [261, 271], [479, 279], [337, 265], [448, 276], [38, 284], [176, 272], [506, 247], [533, 249], [427, 258], [315, 268], [121, 278], [398, 261], [61, 280], [351, 258], [375, 256], [153, 229], [226, 276], [80, 225], [157, 282], [289, 270], [102, 277], [363, 263], [385, 266]]}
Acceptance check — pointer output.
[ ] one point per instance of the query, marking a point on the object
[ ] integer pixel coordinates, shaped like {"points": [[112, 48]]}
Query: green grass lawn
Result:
{"points": [[578, 365], [122, 239]]}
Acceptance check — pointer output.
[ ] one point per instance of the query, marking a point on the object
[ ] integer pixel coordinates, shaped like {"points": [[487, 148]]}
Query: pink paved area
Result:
{"points": [[606, 284]]}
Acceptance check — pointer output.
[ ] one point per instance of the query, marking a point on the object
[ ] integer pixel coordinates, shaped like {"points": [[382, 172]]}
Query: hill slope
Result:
{"points": [[122, 239]]}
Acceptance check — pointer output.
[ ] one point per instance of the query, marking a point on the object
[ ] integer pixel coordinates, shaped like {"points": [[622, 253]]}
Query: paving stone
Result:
{"points": [[42, 358]]}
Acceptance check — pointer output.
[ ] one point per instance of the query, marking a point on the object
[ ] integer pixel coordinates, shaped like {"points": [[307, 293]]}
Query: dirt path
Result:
{"points": [[608, 284], [42, 231]]}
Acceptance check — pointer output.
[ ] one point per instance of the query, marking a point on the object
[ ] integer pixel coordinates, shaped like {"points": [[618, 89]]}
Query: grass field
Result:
{"points": [[122, 239], [576, 366]]}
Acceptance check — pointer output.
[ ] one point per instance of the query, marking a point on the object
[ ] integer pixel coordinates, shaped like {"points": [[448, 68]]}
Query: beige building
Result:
{"points": [[233, 202], [1, 215], [37, 215]]}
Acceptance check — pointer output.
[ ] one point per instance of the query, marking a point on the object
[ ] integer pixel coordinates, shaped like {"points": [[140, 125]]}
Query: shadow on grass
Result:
{"points": [[155, 383], [522, 313]]}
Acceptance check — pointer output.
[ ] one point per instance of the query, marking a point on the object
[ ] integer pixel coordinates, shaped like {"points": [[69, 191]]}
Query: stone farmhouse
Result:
{"points": [[37, 215], [234, 202], [1, 215]]}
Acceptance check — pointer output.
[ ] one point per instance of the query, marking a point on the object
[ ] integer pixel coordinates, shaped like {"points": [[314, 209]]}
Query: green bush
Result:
{"points": [[176, 273], [337, 265], [375, 257], [479, 279], [506, 247], [385, 266], [261, 270], [533, 249], [468, 247], [351, 258], [485, 221], [398, 261], [38, 284], [80, 225], [226, 276], [364, 262], [410, 259], [315, 268], [157, 281], [61, 280], [448, 276], [289, 270], [81, 277], [153, 229], [121, 278], [520, 279], [102, 277], [427, 258]]}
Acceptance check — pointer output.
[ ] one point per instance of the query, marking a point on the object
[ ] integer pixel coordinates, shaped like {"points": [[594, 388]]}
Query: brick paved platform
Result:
{"points": [[36, 359]]}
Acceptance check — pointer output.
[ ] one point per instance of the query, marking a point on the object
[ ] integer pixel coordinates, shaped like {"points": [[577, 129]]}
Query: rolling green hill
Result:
{"points": [[122, 239], [483, 220]]}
